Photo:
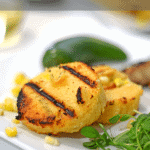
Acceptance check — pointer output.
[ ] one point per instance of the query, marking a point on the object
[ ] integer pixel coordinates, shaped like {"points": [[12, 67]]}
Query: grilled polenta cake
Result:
{"points": [[122, 95], [61, 99]]}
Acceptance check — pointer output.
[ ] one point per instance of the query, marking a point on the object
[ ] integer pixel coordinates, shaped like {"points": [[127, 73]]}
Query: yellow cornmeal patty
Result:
{"points": [[122, 99], [61, 99]]}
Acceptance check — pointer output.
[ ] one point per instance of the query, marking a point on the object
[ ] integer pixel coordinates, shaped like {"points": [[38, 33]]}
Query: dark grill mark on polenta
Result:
{"points": [[54, 101], [45, 122], [65, 113], [38, 121], [58, 122], [51, 118], [20, 104], [31, 120], [79, 96], [71, 113], [81, 77], [124, 100]]}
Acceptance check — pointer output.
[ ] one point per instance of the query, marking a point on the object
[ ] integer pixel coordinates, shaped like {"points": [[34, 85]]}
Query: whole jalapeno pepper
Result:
{"points": [[86, 49]]}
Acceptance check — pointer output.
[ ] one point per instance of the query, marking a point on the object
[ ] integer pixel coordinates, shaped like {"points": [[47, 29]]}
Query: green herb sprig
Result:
{"points": [[137, 138]]}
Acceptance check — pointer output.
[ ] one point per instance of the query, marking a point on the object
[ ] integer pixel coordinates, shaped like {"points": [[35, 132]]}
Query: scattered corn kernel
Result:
{"points": [[118, 82], [11, 132], [21, 79], [129, 126], [1, 112], [1, 105], [52, 141], [15, 106], [104, 80], [15, 121], [15, 91], [126, 81], [9, 104], [24, 81]]}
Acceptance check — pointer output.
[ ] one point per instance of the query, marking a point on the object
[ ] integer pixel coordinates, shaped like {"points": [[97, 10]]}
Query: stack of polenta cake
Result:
{"points": [[70, 96], [122, 95]]}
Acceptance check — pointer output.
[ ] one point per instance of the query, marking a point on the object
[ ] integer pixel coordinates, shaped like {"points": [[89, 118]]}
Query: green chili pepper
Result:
{"points": [[85, 49]]}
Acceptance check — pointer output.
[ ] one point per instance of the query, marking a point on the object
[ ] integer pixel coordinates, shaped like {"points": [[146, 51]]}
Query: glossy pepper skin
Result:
{"points": [[86, 49]]}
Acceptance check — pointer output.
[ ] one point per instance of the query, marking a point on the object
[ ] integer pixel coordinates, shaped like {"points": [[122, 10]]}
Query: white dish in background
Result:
{"points": [[124, 21]]}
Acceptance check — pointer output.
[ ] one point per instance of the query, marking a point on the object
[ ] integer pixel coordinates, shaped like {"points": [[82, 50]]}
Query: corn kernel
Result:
{"points": [[21, 79], [1, 112], [129, 126], [104, 80], [46, 76], [15, 106], [24, 81], [15, 121], [9, 104], [52, 141], [15, 91], [11, 132], [126, 81], [118, 82], [1, 105]]}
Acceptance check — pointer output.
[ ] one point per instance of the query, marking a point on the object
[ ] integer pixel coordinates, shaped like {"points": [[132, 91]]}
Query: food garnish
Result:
{"points": [[15, 121], [19, 80], [11, 132], [52, 141], [85, 49], [10, 104], [1, 112], [136, 138]]}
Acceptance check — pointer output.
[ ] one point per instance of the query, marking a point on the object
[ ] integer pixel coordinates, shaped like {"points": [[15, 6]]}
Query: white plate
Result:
{"points": [[27, 139], [29, 62]]}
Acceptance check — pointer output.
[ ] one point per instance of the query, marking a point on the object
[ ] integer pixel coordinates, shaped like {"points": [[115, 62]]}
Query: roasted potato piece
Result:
{"points": [[139, 73]]}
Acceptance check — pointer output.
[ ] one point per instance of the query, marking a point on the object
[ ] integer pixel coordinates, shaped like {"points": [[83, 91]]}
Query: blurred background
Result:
{"points": [[28, 28]]}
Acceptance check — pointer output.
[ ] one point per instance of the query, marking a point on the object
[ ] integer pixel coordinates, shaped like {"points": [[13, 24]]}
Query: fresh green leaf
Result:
{"points": [[89, 132], [102, 142], [90, 145], [146, 125], [137, 138], [147, 146], [144, 140], [122, 137], [114, 119], [132, 134], [128, 147], [105, 132], [125, 117]]}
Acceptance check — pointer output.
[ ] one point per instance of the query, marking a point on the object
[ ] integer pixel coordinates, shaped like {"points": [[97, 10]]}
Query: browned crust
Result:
{"points": [[43, 121], [139, 73], [52, 99], [85, 79], [79, 96], [20, 104]]}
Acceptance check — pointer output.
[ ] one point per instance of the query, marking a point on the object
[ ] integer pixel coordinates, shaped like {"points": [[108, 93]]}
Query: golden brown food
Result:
{"points": [[139, 73], [122, 95], [61, 99]]}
